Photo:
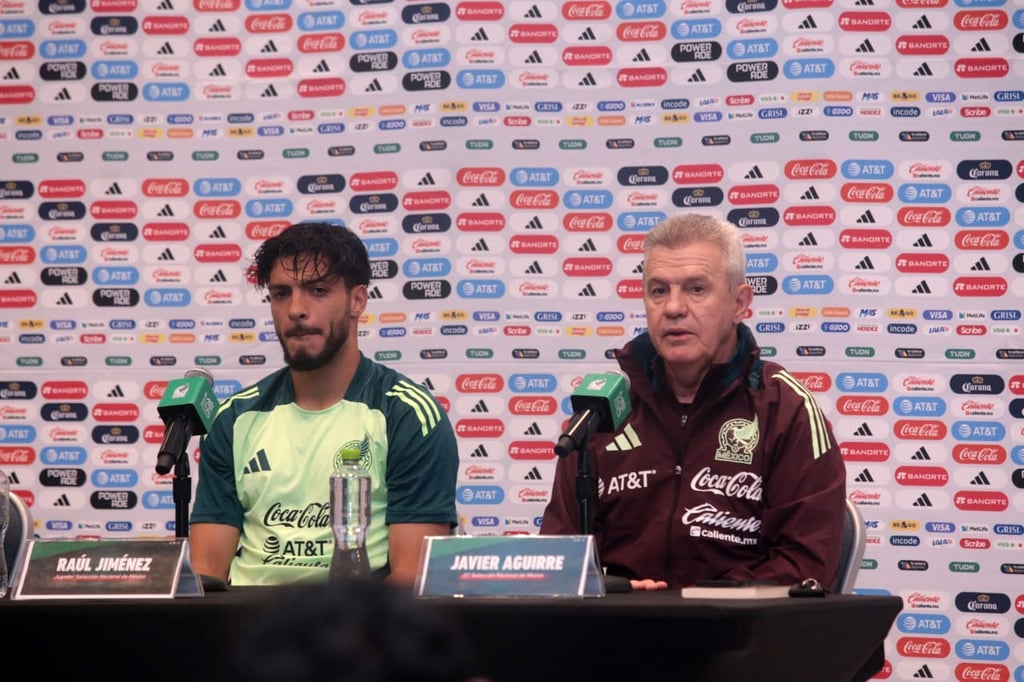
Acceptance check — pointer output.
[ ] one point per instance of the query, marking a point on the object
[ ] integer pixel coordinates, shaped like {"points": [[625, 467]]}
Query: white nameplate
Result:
{"points": [[106, 569], [509, 566]]}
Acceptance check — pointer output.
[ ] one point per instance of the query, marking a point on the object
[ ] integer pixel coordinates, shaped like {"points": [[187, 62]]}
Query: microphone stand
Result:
{"points": [[182, 491], [586, 483]]}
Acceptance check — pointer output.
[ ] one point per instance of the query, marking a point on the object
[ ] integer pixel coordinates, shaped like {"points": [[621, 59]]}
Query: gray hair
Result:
{"points": [[693, 228]]}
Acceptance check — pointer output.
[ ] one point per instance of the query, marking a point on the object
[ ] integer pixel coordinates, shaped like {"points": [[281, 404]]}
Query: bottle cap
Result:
{"points": [[349, 454]]}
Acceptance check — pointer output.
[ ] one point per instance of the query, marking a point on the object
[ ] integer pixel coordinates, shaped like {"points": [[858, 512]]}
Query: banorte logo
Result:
{"points": [[921, 476], [980, 500], [64, 390], [115, 412], [698, 174], [479, 428]]}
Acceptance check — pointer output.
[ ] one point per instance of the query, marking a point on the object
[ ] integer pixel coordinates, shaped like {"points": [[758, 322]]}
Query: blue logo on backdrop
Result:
{"points": [[982, 650], [808, 284], [932, 624], [435, 58], [158, 499], [168, 298], [115, 478], [548, 107], [115, 70], [116, 275], [761, 263], [427, 267], [532, 383], [479, 494], [648, 9], [381, 248], [62, 49], [861, 382], [17, 234], [801, 69], [125, 325], [16, 28], [992, 216], [373, 40], [166, 92], [477, 79], [1017, 454], [320, 21], [533, 177], [63, 455], [940, 97], [217, 187], [588, 199], [919, 406], [690, 29], [480, 288], [925, 193], [62, 255], [752, 48], [977, 431], [17, 434], [269, 208], [639, 221], [864, 169]]}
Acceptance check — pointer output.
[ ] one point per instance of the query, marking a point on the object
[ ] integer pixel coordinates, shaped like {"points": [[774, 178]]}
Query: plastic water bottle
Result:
{"points": [[350, 517]]}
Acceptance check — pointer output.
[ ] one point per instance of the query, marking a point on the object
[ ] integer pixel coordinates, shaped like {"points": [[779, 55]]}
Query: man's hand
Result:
{"points": [[648, 585]]}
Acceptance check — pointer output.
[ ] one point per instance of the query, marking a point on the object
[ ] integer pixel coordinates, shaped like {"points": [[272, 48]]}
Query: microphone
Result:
{"points": [[600, 402], [187, 407]]}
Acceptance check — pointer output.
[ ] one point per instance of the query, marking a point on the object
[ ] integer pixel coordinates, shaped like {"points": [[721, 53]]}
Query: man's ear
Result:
{"points": [[744, 297], [360, 296]]}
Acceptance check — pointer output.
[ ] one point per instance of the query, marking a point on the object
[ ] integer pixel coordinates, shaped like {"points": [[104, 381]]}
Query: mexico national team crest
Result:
{"points": [[736, 441]]}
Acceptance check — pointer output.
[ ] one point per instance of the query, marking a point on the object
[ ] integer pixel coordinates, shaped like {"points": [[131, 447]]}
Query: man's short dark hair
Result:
{"points": [[327, 249]]}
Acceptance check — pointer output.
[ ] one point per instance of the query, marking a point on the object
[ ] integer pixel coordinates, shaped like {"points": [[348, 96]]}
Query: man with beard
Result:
{"points": [[262, 508]]}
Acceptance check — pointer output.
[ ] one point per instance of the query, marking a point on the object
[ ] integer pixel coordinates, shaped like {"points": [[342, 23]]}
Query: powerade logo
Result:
{"points": [[269, 208], [641, 221], [995, 216], [690, 29], [427, 267], [374, 40], [436, 58], [384, 247], [973, 431], [648, 9], [115, 70], [867, 169], [479, 494], [479, 79], [65, 456], [936, 624], [480, 288], [753, 48], [584, 199], [166, 92], [532, 383], [802, 69], [924, 193], [167, 298], [861, 382], [919, 406], [158, 499], [217, 187], [533, 177], [799, 285], [320, 21], [63, 255], [116, 275], [762, 262]]}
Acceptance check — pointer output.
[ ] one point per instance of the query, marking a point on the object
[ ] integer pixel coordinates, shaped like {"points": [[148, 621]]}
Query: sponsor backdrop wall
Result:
{"points": [[502, 162]]}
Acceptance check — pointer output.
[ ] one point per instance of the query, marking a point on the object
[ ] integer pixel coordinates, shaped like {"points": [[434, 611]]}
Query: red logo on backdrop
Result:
{"points": [[922, 45], [16, 255], [806, 4], [531, 450], [588, 55], [435, 200], [278, 22], [979, 286], [12, 50], [92, 338], [862, 405], [122, 6], [479, 383], [923, 647], [743, 195], [479, 11], [18, 298], [373, 181], [865, 239], [917, 216], [165, 232], [922, 262], [165, 26], [218, 253], [640, 31], [490, 176], [321, 87], [739, 100], [480, 222], [981, 240], [975, 543], [921, 4], [971, 330], [874, 192], [864, 21], [580, 10], [302, 115], [16, 94], [980, 20], [587, 222], [921, 476], [17, 455], [264, 229], [817, 382], [217, 47], [975, 112], [516, 121], [89, 134], [535, 199], [911, 429], [154, 390], [533, 33], [216, 209], [153, 434], [64, 390], [536, 405], [480, 428], [630, 243], [278, 67], [516, 330], [165, 187], [803, 216], [115, 412], [864, 452], [989, 672], [811, 169], [587, 267], [27, 495], [321, 42], [212, 5], [649, 77], [1016, 384], [61, 189], [630, 289], [991, 67], [979, 454], [113, 210], [533, 244], [978, 500], [697, 174]]}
